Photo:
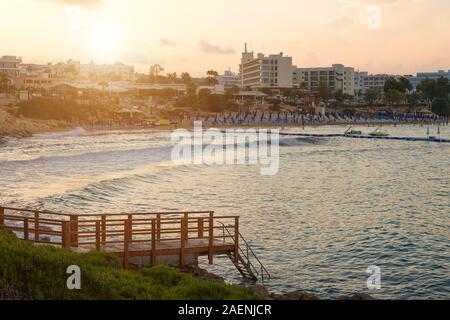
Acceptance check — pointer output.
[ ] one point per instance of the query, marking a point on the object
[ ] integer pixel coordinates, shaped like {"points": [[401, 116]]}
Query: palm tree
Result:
{"points": [[212, 73], [156, 69], [172, 77]]}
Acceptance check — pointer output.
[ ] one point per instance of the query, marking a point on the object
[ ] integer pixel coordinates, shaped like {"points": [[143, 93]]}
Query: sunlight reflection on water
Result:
{"points": [[335, 207]]}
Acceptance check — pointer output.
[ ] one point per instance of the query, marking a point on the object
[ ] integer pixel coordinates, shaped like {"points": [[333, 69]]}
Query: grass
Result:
{"points": [[40, 272]]}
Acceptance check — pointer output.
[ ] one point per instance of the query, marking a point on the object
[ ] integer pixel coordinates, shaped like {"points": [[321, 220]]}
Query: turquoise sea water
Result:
{"points": [[335, 207]]}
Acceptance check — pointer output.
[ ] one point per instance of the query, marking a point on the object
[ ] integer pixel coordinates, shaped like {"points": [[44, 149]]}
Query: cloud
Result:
{"points": [[84, 3], [167, 43], [215, 49]]}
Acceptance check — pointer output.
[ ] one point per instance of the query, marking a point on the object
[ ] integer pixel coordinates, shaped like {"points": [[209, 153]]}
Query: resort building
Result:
{"points": [[10, 65], [365, 81], [260, 71], [337, 77], [117, 71], [229, 79], [427, 75]]}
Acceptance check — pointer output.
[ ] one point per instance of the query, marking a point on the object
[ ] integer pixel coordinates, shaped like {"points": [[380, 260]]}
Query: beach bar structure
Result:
{"points": [[140, 239]]}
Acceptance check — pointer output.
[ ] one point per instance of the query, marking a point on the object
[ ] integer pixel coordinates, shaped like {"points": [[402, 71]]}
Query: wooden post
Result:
{"points": [[2, 217], [236, 238], [97, 235], [130, 227], [200, 227], [126, 237], [184, 236], [153, 261], [158, 226], [37, 234], [103, 229], [74, 230], [211, 239], [25, 229], [66, 234]]}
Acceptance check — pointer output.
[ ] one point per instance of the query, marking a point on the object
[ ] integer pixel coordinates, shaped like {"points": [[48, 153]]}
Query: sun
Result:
{"points": [[104, 43]]}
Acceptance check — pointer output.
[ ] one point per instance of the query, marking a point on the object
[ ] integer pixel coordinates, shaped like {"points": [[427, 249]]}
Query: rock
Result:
{"points": [[45, 239], [261, 291], [295, 295], [359, 296], [203, 274]]}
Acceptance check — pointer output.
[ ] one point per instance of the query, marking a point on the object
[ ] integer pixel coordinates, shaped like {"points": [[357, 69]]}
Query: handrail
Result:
{"points": [[108, 214], [107, 231], [247, 255]]}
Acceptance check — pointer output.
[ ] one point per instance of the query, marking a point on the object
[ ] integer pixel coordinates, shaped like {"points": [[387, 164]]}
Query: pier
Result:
{"points": [[140, 239]]}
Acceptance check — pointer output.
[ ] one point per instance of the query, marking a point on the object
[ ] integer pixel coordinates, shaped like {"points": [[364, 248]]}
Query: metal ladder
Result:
{"points": [[244, 263]]}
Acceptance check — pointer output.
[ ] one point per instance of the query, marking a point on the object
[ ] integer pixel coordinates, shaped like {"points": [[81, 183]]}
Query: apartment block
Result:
{"points": [[427, 75], [260, 71], [228, 79], [337, 77], [10, 65]]}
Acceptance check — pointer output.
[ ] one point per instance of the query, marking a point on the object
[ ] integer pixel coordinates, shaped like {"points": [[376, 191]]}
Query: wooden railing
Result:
{"points": [[128, 234]]}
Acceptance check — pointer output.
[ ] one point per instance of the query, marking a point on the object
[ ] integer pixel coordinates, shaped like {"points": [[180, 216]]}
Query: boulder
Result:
{"points": [[359, 296], [295, 295]]}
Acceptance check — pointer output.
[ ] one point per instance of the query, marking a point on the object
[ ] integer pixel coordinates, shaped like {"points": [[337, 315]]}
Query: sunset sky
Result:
{"points": [[198, 35]]}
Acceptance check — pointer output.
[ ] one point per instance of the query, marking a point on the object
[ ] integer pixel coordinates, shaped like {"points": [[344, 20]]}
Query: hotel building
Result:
{"points": [[10, 65], [260, 71], [365, 81], [337, 77], [228, 79], [427, 75]]}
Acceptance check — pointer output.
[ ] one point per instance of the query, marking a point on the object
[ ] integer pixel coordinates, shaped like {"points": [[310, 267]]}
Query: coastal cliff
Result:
{"points": [[18, 126]]}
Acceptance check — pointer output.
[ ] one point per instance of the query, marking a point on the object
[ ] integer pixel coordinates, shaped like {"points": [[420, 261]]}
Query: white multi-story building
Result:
{"points": [[10, 65], [365, 81], [117, 70], [337, 78], [260, 71], [229, 79]]}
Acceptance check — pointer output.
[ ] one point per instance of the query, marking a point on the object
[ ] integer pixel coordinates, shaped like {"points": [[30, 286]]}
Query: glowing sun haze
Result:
{"points": [[198, 35]]}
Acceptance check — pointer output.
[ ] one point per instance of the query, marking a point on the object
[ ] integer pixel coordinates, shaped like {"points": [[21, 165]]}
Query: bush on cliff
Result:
{"points": [[57, 109], [40, 273]]}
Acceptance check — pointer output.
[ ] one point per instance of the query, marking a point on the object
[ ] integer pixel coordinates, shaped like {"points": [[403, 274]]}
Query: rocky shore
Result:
{"points": [[262, 291], [19, 127]]}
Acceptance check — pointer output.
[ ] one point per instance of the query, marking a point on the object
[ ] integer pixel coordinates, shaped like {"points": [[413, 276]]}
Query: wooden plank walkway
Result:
{"points": [[152, 234]]}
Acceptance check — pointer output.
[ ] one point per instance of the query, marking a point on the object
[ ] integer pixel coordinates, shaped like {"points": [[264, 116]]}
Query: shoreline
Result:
{"points": [[262, 291], [25, 127]]}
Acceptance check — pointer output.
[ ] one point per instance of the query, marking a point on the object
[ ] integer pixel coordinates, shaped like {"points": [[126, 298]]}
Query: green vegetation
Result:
{"points": [[371, 95], [441, 106], [57, 109], [211, 77], [40, 272], [436, 93], [402, 85], [394, 96], [206, 101]]}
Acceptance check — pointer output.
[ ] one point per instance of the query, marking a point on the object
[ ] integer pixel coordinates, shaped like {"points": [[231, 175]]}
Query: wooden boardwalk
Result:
{"points": [[129, 235]]}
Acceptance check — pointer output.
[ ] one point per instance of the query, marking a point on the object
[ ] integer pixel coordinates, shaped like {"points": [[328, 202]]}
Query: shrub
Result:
{"points": [[56, 109], [40, 272]]}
